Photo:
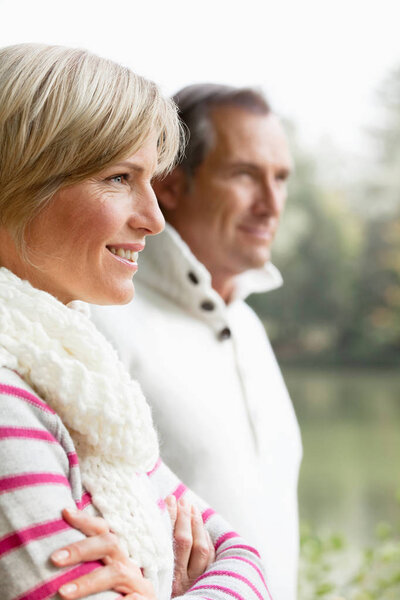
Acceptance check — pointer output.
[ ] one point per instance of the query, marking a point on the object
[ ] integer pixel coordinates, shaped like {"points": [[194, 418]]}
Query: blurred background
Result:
{"points": [[335, 324], [331, 69]]}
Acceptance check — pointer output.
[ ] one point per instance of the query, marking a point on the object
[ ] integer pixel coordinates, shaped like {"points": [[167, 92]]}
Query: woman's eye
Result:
{"points": [[119, 178]]}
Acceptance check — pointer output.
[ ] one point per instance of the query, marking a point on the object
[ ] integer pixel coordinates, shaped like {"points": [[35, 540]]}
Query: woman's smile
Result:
{"points": [[126, 253]]}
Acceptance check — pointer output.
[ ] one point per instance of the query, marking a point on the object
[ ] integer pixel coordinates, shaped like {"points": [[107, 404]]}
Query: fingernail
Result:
{"points": [[183, 502], [60, 555], [68, 590]]}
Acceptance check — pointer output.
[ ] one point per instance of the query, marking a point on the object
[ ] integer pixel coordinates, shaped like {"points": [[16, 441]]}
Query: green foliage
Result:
{"points": [[375, 329], [331, 570]]}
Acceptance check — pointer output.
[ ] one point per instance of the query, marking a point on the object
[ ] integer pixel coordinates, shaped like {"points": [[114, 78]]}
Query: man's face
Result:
{"points": [[230, 211]]}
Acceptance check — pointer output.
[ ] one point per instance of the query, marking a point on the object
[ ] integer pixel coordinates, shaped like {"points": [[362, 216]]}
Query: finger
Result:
{"points": [[182, 537], [87, 524], [200, 554], [104, 547], [172, 508], [116, 576], [211, 548]]}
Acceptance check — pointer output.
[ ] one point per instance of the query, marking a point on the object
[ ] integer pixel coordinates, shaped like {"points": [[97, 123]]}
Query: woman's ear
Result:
{"points": [[170, 190]]}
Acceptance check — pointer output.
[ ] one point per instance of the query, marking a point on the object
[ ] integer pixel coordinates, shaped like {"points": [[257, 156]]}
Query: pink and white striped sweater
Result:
{"points": [[40, 475]]}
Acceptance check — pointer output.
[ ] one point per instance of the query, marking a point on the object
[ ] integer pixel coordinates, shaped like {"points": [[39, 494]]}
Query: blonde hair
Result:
{"points": [[65, 114]]}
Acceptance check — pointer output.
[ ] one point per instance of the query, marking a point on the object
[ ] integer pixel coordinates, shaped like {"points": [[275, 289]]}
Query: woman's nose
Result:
{"points": [[146, 214]]}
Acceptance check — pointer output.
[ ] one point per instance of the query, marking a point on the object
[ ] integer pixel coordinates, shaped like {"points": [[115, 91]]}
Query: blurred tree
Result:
{"points": [[382, 181], [375, 335]]}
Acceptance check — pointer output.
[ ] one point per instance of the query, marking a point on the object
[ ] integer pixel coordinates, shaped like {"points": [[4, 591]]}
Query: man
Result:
{"points": [[224, 417]]}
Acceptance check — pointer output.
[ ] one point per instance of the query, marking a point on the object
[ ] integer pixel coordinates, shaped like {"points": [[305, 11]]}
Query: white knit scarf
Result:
{"points": [[61, 354]]}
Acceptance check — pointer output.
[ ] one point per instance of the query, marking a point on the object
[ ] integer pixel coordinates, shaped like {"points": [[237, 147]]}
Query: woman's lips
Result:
{"points": [[126, 253]]}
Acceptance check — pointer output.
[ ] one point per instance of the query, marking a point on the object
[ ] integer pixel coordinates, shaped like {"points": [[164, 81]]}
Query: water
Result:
{"points": [[350, 422]]}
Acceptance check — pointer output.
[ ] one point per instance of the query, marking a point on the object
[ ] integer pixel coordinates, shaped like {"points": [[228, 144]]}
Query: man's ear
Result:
{"points": [[170, 190]]}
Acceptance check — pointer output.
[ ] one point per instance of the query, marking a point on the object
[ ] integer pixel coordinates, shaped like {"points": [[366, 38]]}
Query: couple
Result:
{"points": [[82, 139]]}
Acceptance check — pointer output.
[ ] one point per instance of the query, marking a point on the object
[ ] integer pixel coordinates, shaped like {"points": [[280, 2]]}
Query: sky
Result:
{"points": [[319, 61]]}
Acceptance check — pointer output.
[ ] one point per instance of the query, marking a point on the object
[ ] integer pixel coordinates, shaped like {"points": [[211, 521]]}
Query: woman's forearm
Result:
{"points": [[237, 571]]}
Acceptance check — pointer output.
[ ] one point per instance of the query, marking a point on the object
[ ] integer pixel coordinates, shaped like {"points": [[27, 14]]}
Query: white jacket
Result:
{"points": [[225, 421]]}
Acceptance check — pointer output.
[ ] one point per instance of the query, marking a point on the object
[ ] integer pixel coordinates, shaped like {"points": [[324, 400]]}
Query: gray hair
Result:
{"points": [[195, 104]]}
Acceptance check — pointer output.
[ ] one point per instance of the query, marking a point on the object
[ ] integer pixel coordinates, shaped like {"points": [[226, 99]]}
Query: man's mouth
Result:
{"points": [[262, 232]]}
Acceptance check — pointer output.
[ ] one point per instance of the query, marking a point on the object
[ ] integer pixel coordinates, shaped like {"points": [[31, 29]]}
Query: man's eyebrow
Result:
{"points": [[240, 164]]}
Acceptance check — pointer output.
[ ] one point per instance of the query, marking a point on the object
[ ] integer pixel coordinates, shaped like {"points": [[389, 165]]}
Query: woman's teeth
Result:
{"points": [[127, 254]]}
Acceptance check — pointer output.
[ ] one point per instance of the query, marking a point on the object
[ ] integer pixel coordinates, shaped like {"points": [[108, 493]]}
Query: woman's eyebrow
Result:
{"points": [[133, 166], [126, 164]]}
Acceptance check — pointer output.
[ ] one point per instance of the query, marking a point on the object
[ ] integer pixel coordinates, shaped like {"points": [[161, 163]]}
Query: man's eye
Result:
{"points": [[283, 177], [243, 173]]}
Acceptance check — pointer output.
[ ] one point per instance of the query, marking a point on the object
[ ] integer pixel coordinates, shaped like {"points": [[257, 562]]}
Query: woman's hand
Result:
{"points": [[119, 573], [194, 551]]}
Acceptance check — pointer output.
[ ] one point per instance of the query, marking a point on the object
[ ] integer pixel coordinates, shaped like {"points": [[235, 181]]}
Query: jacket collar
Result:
{"points": [[168, 265]]}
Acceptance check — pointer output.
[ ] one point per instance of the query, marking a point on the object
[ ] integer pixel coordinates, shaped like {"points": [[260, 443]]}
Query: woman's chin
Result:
{"points": [[127, 298], [122, 295], [109, 296]]}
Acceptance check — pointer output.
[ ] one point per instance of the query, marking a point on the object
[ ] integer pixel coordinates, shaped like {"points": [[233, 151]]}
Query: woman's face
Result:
{"points": [[84, 244]]}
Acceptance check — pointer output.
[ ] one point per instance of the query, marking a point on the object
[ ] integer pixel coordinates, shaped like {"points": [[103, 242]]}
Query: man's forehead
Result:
{"points": [[242, 135]]}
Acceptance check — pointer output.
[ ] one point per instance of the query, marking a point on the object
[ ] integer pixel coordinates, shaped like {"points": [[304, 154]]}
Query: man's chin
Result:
{"points": [[256, 252], [256, 262], [261, 257]]}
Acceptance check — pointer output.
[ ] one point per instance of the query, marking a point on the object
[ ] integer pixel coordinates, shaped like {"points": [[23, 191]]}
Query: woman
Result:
{"points": [[81, 138]]}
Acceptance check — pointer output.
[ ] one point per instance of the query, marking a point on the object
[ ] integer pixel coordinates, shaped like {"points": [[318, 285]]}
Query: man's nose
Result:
{"points": [[270, 198]]}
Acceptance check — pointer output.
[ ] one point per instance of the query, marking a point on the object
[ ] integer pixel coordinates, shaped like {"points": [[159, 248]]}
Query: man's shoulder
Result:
{"points": [[244, 314]]}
